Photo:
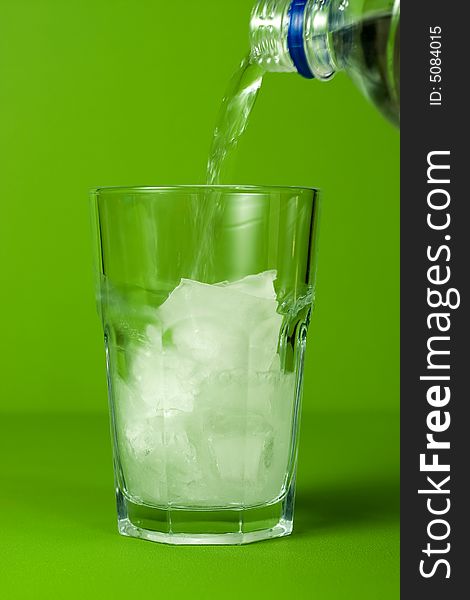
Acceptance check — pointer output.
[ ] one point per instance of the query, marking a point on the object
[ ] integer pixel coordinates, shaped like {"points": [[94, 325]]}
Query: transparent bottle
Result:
{"points": [[318, 38]]}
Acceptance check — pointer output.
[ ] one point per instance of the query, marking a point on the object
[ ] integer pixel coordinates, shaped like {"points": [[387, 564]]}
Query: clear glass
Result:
{"points": [[361, 37], [205, 295]]}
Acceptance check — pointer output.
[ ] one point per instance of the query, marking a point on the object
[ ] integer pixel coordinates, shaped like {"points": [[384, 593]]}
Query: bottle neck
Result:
{"points": [[295, 36]]}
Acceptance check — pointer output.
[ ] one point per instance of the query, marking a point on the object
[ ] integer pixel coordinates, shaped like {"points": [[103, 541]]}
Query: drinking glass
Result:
{"points": [[205, 295]]}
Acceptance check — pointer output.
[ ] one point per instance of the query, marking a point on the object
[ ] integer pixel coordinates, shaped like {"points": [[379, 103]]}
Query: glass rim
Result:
{"points": [[253, 189]]}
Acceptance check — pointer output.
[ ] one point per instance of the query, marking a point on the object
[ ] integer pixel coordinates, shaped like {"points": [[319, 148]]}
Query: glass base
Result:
{"points": [[199, 527]]}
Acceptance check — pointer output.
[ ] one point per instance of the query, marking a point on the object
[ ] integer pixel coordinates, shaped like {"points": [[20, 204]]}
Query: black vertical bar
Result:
{"points": [[434, 123]]}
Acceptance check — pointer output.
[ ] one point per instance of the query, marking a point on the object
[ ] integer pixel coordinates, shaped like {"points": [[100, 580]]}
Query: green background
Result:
{"points": [[124, 92]]}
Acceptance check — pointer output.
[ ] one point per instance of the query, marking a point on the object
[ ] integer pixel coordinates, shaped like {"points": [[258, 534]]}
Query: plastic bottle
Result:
{"points": [[318, 38]]}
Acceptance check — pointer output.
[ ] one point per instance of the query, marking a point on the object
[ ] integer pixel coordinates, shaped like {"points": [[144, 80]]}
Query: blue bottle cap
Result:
{"points": [[295, 38]]}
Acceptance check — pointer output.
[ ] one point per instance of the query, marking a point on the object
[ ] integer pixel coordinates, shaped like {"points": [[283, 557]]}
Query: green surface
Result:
{"points": [[59, 535], [104, 92]]}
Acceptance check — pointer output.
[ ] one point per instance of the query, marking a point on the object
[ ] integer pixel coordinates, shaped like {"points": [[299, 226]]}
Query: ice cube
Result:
{"points": [[237, 392], [160, 458], [253, 298], [211, 341], [260, 286], [238, 444], [160, 379], [263, 343], [165, 380], [225, 325], [154, 337]]}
